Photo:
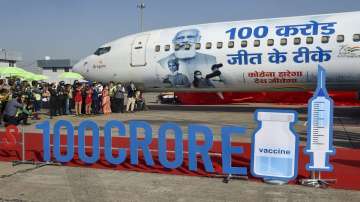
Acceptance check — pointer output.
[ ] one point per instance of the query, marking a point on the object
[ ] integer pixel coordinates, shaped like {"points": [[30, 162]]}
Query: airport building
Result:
{"points": [[9, 58], [52, 68]]}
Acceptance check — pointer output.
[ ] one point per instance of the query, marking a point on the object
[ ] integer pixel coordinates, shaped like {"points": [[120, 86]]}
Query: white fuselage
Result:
{"points": [[256, 55]]}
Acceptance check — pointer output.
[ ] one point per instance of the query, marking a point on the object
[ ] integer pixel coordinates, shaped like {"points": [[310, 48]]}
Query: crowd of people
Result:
{"points": [[21, 100]]}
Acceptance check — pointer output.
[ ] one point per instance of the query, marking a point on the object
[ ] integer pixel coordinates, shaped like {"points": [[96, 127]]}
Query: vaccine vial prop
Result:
{"points": [[320, 125], [275, 146]]}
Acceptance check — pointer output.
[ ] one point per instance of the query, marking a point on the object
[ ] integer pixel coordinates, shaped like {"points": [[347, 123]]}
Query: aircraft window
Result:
{"points": [[197, 46], [219, 45], [340, 38], [283, 41], [101, 51], [243, 44], [177, 47], [256, 43], [356, 37], [325, 39], [270, 42], [157, 48], [187, 47], [208, 45], [167, 47], [309, 40], [231, 44], [297, 41]]}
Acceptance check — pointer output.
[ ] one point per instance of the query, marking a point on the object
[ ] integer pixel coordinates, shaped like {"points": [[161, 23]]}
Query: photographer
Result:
{"points": [[11, 115]]}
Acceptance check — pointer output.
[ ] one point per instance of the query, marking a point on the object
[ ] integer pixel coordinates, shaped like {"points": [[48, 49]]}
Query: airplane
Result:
{"points": [[279, 54]]}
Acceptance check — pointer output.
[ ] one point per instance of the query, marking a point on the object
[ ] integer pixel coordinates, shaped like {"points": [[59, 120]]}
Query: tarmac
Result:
{"points": [[53, 183], [84, 184]]}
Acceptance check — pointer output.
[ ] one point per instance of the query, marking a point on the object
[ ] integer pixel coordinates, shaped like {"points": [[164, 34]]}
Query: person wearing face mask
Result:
{"points": [[185, 51], [200, 82], [176, 79]]}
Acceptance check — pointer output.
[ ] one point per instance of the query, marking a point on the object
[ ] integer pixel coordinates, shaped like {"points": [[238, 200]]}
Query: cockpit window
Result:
{"points": [[103, 50]]}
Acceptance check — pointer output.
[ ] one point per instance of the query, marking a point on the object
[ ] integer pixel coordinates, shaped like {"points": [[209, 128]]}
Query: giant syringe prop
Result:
{"points": [[320, 126]]}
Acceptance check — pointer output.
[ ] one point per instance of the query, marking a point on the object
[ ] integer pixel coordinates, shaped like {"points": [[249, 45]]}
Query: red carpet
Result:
{"points": [[341, 98], [346, 162]]}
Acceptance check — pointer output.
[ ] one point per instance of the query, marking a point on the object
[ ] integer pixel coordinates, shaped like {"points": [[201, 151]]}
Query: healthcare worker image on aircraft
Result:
{"points": [[176, 79], [280, 54]]}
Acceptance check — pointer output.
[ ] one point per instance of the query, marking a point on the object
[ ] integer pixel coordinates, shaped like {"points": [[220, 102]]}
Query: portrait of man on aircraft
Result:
{"points": [[188, 57], [176, 79]]}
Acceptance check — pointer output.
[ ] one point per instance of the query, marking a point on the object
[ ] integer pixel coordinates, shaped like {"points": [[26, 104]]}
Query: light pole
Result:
{"points": [[141, 6]]}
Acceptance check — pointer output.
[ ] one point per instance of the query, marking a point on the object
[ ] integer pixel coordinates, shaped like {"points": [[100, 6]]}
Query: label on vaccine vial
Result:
{"points": [[274, 161]]}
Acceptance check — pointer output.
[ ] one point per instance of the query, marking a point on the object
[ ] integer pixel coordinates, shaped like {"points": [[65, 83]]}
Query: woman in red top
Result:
{"points": [[88, 100], [78, 100]]}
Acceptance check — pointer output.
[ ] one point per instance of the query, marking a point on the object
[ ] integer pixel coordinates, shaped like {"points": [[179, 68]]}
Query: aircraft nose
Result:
{"points": [[79, 67], [76, 68]]}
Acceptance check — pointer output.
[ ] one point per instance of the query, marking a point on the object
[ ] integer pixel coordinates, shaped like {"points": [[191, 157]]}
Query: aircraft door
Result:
{"points": [[138, 51]]}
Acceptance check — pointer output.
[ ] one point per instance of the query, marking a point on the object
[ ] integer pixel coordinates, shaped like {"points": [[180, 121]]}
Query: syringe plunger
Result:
{"points": [[319, 159]]}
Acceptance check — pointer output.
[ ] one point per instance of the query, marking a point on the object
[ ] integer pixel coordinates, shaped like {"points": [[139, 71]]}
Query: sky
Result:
{"points": [[75, 28]]}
